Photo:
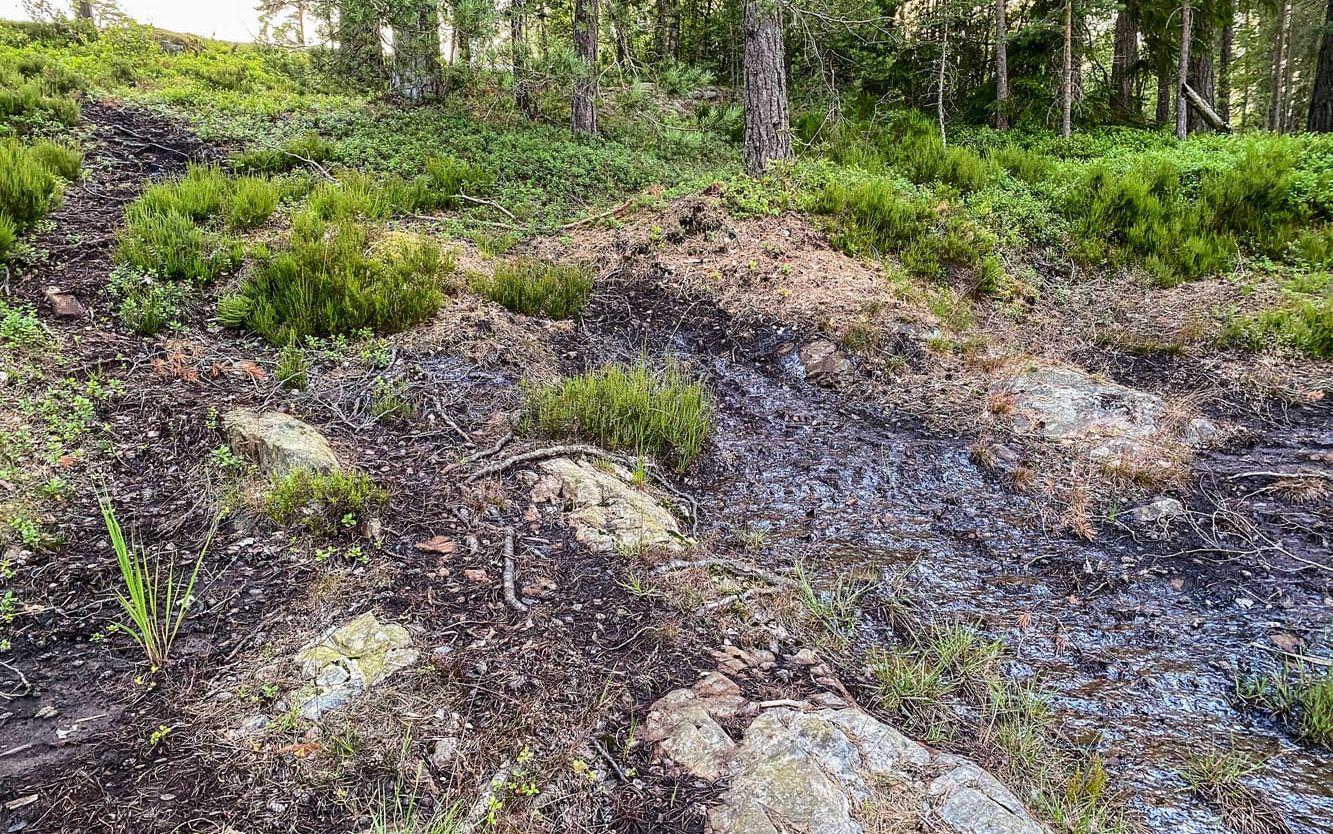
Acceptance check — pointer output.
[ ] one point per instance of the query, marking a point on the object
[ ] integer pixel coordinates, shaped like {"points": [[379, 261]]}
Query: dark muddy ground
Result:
{"points": [[1137, 641]]}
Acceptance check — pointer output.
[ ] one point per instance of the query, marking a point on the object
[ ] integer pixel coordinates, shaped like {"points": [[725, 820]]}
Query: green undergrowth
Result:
{"points": [[944, 684], [329, 280], [631, 407], [536, 288], [1299, 697], [35, 95], [324, 502], [31, 180], [358, 194]]}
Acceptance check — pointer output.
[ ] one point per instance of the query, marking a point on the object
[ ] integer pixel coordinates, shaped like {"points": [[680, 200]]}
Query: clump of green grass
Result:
{"points": [[252, 201], [360, 195], [28, 188], [1218, 777], [633, 407], [328, 283], [1028, 166], [293, 367], [61, 160], [917, 682], [156, 601], [1298, 697], [305, 149], [1305, 324], [323, 501], [537, 288]]}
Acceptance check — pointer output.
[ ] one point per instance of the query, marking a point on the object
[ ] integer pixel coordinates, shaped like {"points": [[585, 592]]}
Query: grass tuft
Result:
{"points": [[537, 288], [323, 501], [632, 407]]}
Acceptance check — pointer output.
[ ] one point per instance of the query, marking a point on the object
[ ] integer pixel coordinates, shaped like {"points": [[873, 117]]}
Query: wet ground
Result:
{"points": [[1137, 646]]}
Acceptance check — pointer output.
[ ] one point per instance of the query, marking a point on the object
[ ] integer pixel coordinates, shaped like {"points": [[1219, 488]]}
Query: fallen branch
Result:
{"points": [[511, 598], [484, 453], [484, 202], [539, 454], [1304, 658], [1311, 473], [740, 568], [311, 163], [595, 217]]}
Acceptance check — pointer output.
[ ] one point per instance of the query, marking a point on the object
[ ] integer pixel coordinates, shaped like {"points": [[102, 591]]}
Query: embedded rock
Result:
{"points": [[605, 512], [348, 660], [277, 442], [1163, 509], [824, 363], [1064, 404], [811, 769]]}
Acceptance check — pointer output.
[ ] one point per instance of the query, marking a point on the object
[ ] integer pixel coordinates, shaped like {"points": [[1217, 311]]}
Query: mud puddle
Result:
{"points": [[1138, 658]]}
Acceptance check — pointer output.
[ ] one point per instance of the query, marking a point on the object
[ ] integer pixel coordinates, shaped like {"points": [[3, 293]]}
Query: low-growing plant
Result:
{"points": [[323, 500], [1297, 696], [1218, 777], [156, 601], [328, 282], [29, 190], [172, 245], [537, 288], [1305, 324], [293, 366], [251, 202], [633, 407]]}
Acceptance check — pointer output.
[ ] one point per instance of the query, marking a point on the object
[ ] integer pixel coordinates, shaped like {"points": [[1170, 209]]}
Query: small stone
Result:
{"points": [[277, 442], [823, 363], [1162, 509], [438, 544], [63, 304], [46, 711], [477, 575], [444, 753]]}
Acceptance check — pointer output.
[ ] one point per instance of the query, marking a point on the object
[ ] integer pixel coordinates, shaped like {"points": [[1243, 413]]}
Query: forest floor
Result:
{"points": [[890, 475]]}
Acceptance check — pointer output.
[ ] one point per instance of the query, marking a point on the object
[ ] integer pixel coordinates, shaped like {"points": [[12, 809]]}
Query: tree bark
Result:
{"points": [[1164, 72], [1205, 110], [1201, 75], [1067, 74], [1182, 74], [1224, 58], [1275, 104], [666, 34], [518, 43], [1001, 67], [583, 103], [767, 120], [416, 53], [1125, 54], [360, 55], [83, 9], [1320, 118]]}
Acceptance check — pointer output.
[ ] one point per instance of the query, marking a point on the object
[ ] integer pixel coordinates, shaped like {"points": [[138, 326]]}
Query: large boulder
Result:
{"points": [[349, 659], [1116, 421], [822, 769], [277, 442], [605, 512]]}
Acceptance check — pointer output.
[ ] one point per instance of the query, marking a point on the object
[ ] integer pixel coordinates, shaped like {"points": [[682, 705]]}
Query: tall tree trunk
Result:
{"points": [[1320, 118], [767, 121], [1125, 54], [360, 54], [83, 9], [1001, 67], [939, 86], [1067, 74], [1201, 76], [1276, 108], [1224, 58], [1182, 74], [518, 44], [666, 33], [583, 104], [416, 52], [1164, 73]]}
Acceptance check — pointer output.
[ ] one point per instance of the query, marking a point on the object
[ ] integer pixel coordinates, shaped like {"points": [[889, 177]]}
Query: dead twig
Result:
{"points": [[511, 598], [740, 568], [27, 686], [595, 217], [312, 163], [484, 202], [539, 454]]}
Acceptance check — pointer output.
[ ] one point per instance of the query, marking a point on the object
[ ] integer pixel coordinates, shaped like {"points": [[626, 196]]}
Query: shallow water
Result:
{"points": [[1135, 664]]}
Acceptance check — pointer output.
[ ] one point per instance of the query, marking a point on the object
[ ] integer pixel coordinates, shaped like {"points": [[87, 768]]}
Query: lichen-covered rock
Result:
{"points": [[348, 660], [277, 442], [605, 512], [1065, 404], [823, 363], [808, 769]]}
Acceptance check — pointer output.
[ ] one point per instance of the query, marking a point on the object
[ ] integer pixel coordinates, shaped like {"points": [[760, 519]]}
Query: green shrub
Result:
{"points": [[199, 195], [1305, 324], [1315, 247], [146, 304], [308, 147], [64, 162], [323, 501], [327, 283], [1025, 165], [632, 407], [174, 246], [28, 188], [252, 201], [537, 288], [9, 237]]}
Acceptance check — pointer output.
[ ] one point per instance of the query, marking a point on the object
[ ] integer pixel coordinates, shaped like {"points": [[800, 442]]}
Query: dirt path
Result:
{"points": [[1137, 645]]}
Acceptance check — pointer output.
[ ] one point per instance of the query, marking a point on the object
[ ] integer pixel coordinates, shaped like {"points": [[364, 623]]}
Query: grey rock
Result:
{"points": [[277, 442], [824, 363], [605, 512], [348, 660], [810, 770], [1162, 509]]}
